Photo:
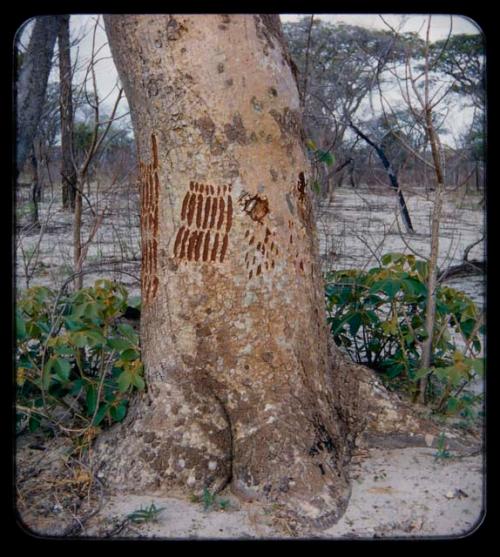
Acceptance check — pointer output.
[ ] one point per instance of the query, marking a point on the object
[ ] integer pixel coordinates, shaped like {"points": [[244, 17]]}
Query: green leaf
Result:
{"points": [[20, 327], [76, 387], [129, 355], [119, 412], [467, 327], [91, 399], [118, 344], [73, 324], [138, 382], [64, 350], [79, 339], [95, 338], [127, 331], [394, 257], [46, 375], [388, 286], [414, 286], [477, 365], [62, 369], [124, 380], [135, 302], [421, 373], [34, 422], [354, 323], [326, 157], [452, 405], [101, 413]]}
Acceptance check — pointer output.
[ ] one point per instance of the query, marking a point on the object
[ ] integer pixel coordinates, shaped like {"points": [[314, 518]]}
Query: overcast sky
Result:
{"points": [[440, 27], [82, 25]]}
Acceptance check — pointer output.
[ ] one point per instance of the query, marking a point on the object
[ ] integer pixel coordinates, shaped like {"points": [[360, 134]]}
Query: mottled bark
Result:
{"points": [[32, 83], [242, 385], [68, 171]]}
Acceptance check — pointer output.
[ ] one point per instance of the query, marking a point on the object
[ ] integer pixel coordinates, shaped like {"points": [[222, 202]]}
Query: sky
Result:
{"points": [[83, 26], [440, 24]]}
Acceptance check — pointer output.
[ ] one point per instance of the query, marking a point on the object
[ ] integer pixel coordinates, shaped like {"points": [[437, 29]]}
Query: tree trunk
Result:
{"points": [[242, 386], [32, 83], [68, 172], [35, 189]]}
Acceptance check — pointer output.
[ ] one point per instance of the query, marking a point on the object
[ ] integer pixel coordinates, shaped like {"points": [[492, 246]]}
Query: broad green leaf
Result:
{"points": [[354, 323], [79, 339], [124, 380], [73, 324], [118, 344], [129, 355], [118, 412], [34, 422], [62, 368], [64, 350], [138, 382], [101, 413], [126, 330], [95, 338]]}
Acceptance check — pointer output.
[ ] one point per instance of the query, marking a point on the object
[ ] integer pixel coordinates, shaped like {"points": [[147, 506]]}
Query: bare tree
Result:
{"points": [[68, 171], [32, 83]]}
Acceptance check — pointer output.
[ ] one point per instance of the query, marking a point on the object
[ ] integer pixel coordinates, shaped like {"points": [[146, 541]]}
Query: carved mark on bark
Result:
{"points": [[149, 191], [256, 206], [204, 209]]}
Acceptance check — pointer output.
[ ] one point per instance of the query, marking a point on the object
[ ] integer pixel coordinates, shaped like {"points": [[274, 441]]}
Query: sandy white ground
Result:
{"points": [[395, 493]]}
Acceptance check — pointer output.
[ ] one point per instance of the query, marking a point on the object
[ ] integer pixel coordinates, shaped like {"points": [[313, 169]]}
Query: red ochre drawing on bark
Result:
{"points": [[263, 252], [206, 219], [149, 191]]}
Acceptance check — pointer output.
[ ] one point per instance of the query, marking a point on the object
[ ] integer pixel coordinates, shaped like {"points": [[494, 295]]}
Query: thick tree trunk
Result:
{"points": [[242, 386], [68, 171], [32, 83]]}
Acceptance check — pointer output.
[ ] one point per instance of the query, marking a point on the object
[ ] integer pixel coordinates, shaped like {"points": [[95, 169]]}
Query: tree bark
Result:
{"points": [[32, 83], [68, 171], [242, 383], [35, 189]]}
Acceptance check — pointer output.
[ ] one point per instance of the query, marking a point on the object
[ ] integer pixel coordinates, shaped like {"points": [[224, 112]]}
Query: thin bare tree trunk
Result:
{"points": [[77, 240], [68, 171], [35, 189], [242, 383], [430, 316]]}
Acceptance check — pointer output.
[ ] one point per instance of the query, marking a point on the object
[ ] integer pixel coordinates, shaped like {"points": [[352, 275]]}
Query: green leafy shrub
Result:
{"points": [[378, 317], [77, 362]]}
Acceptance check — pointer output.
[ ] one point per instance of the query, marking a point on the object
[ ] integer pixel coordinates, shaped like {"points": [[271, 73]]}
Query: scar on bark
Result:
{"points": [[256, 207]]}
